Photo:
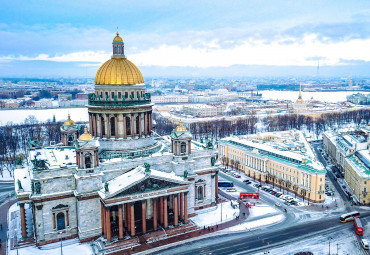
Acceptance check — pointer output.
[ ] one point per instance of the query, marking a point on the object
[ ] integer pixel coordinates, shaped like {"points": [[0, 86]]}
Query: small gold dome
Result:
{"points": [[180, 127], [118, 71], [117, 38], [85, 136], [69, 122]]}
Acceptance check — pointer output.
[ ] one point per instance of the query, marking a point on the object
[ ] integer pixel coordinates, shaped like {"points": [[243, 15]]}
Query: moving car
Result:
{"points": [[364, 244], [277, 204]]}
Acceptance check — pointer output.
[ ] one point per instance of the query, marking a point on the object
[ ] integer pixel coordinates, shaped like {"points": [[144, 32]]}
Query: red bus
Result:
{"points": [[249, 195], [358, 226]]}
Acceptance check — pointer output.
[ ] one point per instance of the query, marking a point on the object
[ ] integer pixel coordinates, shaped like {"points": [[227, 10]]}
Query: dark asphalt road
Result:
{"points": [[256, 241], [331, 176]]}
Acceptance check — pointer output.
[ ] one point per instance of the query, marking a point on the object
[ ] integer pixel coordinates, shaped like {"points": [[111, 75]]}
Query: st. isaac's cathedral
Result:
{"points": [[117, 180]]}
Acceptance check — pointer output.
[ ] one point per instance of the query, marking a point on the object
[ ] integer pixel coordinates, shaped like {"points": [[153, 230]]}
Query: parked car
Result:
{"points": [[293, 202], [286, 203], [277, 204], [247, 181], [278, 194]]}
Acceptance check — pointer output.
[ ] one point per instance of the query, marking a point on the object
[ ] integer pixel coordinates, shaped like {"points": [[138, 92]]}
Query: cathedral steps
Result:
{"points": [[29, 242]]}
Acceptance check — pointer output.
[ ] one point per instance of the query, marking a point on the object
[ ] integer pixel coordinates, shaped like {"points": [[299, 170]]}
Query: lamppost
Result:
{"points": [[61, 242], [221, 211], [16, 239], [329, 238]]}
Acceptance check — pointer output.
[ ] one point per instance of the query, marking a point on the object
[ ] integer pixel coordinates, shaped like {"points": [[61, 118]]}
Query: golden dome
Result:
{"points": [[117, 38], [69, 122], [85, 136], [180, 127], [118, 71]]}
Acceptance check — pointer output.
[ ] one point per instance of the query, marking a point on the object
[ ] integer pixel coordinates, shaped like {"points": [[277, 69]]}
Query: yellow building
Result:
{"points": [[357, 175], [283, 159]]}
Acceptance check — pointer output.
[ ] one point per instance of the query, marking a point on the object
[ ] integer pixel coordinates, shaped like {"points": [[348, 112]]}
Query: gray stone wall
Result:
{"points": [[89, 218]]}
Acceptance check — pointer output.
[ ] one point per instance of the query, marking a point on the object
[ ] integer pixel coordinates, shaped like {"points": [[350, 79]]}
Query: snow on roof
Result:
{"points": [[56, 157], [278, 145], [135, 176], [22, 174]]}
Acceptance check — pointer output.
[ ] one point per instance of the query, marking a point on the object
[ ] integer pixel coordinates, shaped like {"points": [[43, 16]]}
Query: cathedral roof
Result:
{"points": [[118, 70], [85, 136], [69, 122], [136, 176]]}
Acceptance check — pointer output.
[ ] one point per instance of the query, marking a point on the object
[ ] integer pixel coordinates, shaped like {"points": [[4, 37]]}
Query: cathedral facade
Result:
{"points": [[117, 179]]}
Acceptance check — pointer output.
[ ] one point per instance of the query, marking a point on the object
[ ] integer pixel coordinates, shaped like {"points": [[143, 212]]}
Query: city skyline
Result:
{"points": [[190, 39]]}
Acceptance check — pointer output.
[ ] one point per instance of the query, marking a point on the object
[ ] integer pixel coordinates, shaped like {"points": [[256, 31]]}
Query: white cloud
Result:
{"points": [[287, 51], [256, 52]]}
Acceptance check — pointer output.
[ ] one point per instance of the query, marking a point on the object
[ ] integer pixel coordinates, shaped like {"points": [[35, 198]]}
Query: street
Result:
{"points": [[5, 203], [257, 240]]}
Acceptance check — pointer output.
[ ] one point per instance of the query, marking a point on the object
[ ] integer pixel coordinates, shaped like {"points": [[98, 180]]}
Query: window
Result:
{"points": [[112, 126], [137, 124], [128, 125], [71, 140], [61, 221], [126, 94], [119, 95], [183, 147], [200, 193], [88, 160], [112, 93], [106, 95], [103, 126]]}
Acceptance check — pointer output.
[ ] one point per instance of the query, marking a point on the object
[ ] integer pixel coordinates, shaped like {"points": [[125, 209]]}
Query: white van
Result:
{"points": [[364, 244]]}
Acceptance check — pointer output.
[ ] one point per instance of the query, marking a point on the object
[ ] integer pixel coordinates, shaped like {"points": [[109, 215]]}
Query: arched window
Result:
{"points": [[183, 147], [61, 221], [137, 124], [70, 140], [200, 193], [88, 161], [112, 126], [128, 125]]}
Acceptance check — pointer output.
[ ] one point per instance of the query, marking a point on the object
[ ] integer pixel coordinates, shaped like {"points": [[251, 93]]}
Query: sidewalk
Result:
{"points": [[196, 233]]}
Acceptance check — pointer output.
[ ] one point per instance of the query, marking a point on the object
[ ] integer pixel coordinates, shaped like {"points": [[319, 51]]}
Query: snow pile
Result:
{"points": [[258, 223]]}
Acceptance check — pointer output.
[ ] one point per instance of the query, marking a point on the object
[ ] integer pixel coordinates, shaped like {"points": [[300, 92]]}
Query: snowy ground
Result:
{"points": [[76, 248], [260, 215], [212, 216], [14, 227], [6, 176]]}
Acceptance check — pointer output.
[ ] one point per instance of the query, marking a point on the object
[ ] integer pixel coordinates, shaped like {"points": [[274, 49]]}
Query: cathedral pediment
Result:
{"points": [[142, 182]]}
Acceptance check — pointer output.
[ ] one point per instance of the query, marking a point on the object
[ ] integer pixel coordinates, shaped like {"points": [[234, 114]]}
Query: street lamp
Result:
{"points": [[16, 239], [61, 242], [329, 238]]}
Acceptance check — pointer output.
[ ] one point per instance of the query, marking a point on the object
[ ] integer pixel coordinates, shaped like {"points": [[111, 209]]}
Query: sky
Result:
{"points": [[186, 38]]}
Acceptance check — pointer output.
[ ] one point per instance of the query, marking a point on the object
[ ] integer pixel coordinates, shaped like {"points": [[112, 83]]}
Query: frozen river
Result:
{"points": [[18, 116], [80, 114]]}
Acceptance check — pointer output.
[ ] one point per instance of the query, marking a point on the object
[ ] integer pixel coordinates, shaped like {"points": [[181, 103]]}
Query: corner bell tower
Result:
{"points": [[181, 141], [69, 132]]}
